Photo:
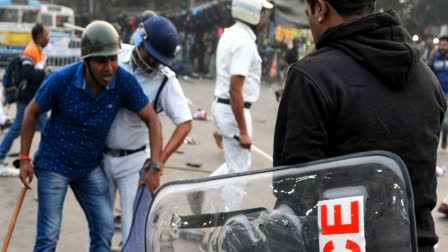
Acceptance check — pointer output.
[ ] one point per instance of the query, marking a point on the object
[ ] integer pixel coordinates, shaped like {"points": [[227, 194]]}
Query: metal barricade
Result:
{"points": [[55, 62], [63, 52]]}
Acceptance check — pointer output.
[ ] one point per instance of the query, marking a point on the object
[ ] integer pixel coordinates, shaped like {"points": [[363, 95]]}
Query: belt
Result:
{"points": [[227, 101], [121, 153]]}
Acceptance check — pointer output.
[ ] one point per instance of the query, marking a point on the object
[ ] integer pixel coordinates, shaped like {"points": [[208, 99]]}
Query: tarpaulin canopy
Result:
{"points": [[290, 13]]}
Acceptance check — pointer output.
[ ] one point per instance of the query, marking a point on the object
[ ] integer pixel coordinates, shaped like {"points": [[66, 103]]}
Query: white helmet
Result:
{"points": [[249, 10]]}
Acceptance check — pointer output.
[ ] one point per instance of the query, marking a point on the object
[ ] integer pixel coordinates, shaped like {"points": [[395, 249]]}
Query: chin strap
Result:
{"points": [[138, 60], [91, 73]]}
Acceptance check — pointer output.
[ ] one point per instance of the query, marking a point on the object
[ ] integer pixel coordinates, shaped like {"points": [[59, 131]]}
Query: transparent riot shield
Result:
{"points": [[360, 202]]}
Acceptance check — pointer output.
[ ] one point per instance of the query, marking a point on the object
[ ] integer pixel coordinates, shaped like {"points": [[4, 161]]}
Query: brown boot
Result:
{"points": [[218, 139]]}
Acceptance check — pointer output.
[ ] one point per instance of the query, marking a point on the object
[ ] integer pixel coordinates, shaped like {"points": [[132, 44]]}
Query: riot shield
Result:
{"points": [[360, 202]]}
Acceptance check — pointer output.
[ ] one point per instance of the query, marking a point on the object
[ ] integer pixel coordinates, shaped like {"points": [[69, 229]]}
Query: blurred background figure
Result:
{"points": [[438, 62], [291, 56], [33, 71], [5, 121]]}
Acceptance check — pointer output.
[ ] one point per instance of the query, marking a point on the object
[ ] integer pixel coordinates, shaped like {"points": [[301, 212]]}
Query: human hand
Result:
{"points": [[151, 178], [26, 173], [245, 141]]}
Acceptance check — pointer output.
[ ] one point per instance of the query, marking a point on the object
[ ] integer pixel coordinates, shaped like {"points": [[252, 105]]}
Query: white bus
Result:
{"points": [[55, 16], [64, 46], [17, 17]]}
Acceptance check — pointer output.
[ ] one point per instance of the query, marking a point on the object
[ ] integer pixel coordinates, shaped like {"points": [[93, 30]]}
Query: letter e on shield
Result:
{"points": [[341, 225]]}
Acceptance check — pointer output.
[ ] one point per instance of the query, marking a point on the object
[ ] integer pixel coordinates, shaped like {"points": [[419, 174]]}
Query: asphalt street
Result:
{"points": [[196, 158]]}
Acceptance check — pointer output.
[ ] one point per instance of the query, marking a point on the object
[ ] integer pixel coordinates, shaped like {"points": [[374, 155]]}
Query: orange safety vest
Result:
{"points": [[33, 51]]}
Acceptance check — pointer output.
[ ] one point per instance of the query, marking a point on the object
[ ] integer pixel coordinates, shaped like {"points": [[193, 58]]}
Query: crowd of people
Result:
{"points": [[199, 32], [364, 88], [438, 62]]}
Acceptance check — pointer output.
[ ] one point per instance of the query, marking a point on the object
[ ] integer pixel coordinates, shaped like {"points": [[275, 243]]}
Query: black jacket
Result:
{"points": [[363, 89]]}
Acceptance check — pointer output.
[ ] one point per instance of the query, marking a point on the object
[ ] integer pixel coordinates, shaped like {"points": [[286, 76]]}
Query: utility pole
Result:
{"points": [[154, 4], [87, 8], [90, 8]]}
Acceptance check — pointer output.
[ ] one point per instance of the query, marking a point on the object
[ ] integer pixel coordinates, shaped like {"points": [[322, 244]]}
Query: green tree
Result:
{"points": [[417, 14]]}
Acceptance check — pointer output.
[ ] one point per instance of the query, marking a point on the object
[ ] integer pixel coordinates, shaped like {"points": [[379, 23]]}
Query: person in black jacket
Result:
{"points": [[33, 71], [364, 88], [291, 56]]}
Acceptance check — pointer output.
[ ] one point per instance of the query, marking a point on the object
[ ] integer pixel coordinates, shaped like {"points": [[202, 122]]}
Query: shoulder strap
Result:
{"points": [[26, 60], [156, 100]]}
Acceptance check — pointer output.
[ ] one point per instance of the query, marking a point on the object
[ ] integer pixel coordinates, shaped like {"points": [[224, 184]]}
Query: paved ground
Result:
{"points": [[204, 152]]}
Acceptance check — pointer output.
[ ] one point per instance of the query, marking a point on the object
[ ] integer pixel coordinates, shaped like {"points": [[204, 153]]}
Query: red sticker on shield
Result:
{"points": [[341, 225]]}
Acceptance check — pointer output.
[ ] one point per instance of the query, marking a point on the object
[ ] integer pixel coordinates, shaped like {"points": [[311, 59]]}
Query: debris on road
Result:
{"points": [[200, 114], [191, 141], [195, 165]]}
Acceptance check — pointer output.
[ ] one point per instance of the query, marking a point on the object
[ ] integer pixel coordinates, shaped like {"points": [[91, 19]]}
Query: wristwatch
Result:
{"points": [[155, 165]]}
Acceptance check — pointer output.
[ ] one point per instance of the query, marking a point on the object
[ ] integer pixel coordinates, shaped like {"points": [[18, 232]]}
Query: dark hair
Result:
{"points": [[444, 37], [347, 8], [37, 30]]}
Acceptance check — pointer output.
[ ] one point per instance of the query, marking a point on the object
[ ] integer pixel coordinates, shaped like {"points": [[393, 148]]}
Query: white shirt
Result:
{"points": [[128, 131], [237, 54]]}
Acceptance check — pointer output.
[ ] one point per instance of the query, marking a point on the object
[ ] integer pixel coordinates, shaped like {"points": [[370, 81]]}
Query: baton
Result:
{"points": [[211, 219], [13, 220], [256, 149]]}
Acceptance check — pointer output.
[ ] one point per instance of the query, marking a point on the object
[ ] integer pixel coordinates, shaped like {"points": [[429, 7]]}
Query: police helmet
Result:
{"points": [[100, 39], [160, 39], [249, 11]]}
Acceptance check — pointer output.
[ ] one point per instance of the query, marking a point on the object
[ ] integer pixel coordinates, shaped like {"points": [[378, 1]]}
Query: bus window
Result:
{"points": [[46, 20], [30, 16], [9, 15], [23, 2], [60, 20]]}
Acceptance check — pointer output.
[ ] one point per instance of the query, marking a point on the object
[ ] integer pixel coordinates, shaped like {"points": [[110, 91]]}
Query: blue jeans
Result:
{"points": [[14, 130], [91, 192], [445, 124]]}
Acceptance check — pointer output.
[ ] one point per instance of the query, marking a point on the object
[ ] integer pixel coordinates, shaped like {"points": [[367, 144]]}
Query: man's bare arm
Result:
{"points": [[28, 129], [177, 138], [149, 116], [237, 103], [152, 177]]}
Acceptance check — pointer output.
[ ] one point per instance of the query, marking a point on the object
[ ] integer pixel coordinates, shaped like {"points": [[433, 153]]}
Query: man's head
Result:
{"points": [[100, 45], [158, 45], [249, 11], [296, 42], [443, 45], [323, 14], [40, 35]]}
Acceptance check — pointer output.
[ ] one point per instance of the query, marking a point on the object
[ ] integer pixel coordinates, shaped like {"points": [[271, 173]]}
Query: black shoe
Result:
{"points": [[117, 222], [16, 164], [6, 125], [278, 94]]}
